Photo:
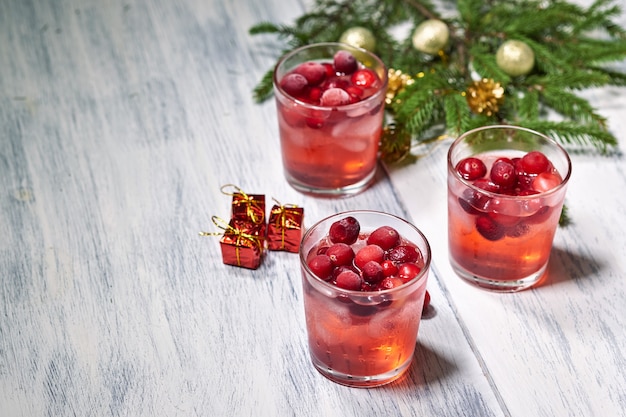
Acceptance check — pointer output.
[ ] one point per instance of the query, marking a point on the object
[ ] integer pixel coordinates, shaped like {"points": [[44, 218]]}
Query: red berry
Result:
{"points": [[330, 70], [321, 266], [355, 93], [345, 231], [403, 253], [466, 205], [471, 168], [314, 72], [489, 228], [340, 254], [390, 282], [372, 272], [546, 181], [334, 97], [540, 216], [385, 236], [344, 62], [341, 268], [389, 268], [314, 122], [364, 77], [349, 280], [503, 173], [367, 254], [293, 84], [517, 230], [408, 271], [505, 211], [315, 93], [534, 162]]}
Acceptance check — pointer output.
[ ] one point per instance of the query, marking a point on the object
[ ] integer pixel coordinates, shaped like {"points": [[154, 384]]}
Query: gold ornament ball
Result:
{"points": [[431, 36], [515, 58], [359, 37]]}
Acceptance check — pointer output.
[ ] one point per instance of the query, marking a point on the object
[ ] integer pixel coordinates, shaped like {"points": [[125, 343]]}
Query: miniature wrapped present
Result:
{"points": [[242, 243], [250, 207], [284, 228]]}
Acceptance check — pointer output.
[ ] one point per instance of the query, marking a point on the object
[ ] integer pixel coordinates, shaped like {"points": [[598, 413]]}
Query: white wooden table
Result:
{"points": [[119, 123]]}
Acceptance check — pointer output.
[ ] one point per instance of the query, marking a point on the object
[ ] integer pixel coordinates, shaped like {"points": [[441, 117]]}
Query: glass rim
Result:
{"points": [[381, 91], [357, 293], [470, 185]]}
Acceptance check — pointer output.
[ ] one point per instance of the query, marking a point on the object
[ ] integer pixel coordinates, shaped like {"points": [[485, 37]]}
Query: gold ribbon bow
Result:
{"points": [[283, 221], [254, 212], [238, 233]]}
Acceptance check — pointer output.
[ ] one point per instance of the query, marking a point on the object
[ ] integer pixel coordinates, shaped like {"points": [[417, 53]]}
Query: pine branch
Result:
{"points": [[573, 47]]}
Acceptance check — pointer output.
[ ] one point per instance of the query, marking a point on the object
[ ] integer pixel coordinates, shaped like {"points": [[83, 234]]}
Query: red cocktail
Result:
{"points": [[364, 279], [330, 105], [506, 188]]}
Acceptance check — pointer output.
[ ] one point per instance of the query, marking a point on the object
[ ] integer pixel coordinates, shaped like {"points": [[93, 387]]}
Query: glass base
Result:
{"points": [[359, 381], [346, 191], [512, 285]]}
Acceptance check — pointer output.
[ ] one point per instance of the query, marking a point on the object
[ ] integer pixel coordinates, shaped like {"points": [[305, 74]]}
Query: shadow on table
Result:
{"points": [[566, 266]]}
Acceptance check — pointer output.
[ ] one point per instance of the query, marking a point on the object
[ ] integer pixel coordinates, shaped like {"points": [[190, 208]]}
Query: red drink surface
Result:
{"points": [[330, 147], [502, 237], [362, 333]]}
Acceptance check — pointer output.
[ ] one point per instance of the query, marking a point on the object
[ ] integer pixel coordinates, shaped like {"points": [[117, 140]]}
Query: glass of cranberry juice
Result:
{"points": [[363, 338], [506, 187], [330, 121]]}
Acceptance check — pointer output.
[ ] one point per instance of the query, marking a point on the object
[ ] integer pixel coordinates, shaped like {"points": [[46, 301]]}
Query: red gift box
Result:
{"points": [[249, 207], [242, 244], [284, 230]]}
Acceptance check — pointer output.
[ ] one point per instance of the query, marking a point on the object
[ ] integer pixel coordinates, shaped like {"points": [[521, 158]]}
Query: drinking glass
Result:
{"points": [[362, 338], [330, 150], [500, 237]]}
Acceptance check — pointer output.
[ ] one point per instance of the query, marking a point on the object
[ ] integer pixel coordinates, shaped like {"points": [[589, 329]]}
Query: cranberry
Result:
{"points": [[364, 77], [362, 310], [344, 62], [540, 216], [314, 122], [322, 266], [389, 268], [321, 250], [546, 181], [534, 162], [293, 84], [517, 230], [504, 210], [315, 94], [408, 271], [485, 184], [385, 236], [403, 253], [355, 93], [477, 200], [503, 173], [471, 168], [489, 228], [367, 254], [341, 268], [345, 230], [334, 97], [467, 206], [314, 72], [349, 280], [340, 254], [372, 272], [390, 282], [330, 70]]}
